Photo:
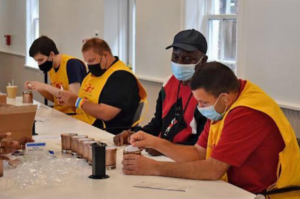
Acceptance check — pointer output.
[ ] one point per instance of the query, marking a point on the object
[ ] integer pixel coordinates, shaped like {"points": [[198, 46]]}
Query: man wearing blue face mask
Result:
{"points": [[176, 118], [247, 140]]}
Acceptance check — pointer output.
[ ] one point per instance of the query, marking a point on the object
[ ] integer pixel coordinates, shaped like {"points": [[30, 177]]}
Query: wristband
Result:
{"points": [[79, 102]]}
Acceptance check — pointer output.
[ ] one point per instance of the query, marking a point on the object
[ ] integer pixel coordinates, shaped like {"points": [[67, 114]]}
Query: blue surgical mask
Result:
{"points": [[211, 113], [183, 72]]}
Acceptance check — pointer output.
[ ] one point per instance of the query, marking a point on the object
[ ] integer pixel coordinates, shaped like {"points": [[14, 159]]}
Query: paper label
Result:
{"points": [[35, 149]]}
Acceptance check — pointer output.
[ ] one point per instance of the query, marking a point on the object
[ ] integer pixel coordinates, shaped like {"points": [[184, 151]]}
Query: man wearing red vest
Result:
{"points": [[176, 118], [247, 140]]}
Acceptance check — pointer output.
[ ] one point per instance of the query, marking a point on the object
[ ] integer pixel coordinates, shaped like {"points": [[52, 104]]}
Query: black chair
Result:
{"points": [[138, 113]]}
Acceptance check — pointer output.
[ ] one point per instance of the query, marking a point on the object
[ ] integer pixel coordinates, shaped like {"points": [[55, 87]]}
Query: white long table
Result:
{"points": [[52, 123]]}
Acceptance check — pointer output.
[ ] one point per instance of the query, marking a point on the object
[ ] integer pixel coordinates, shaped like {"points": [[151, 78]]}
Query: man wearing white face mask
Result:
{"points": [[176, 118]]}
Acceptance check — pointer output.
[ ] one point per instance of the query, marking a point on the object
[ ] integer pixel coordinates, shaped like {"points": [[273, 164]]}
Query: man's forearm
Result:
{"points": [[100, 111], [178, 153], [46, 95], [198, 170]]}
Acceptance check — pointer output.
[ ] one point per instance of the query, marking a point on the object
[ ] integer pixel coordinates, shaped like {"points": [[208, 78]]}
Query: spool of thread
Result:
{"points": [[66, 142], [98, 162]]}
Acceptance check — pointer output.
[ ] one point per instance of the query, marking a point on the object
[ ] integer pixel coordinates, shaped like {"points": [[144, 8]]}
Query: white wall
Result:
{"points": [[268, 49], [115, 27], [12, 22], [157, 22], [68, 22]]}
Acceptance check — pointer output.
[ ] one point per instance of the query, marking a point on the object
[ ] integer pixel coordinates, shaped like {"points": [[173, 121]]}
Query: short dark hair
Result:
{"points": [[98, 45], [215, 78], [43, 45]]}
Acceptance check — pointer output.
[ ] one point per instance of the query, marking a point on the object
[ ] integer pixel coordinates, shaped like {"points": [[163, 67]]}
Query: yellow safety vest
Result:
{"points": [[92, 86], [60, 78], [288, 171]]}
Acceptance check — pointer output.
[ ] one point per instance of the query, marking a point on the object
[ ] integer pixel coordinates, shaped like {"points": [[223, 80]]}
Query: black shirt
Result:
{"points": [[158, 124], [76, 71], [121, 91]]}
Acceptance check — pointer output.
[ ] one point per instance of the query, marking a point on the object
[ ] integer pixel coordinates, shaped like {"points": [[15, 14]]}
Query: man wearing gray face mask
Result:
{"points": [[176, 118]]}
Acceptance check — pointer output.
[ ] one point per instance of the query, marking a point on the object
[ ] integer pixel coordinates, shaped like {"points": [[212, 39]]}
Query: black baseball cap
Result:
{"points": [[190, 40]]}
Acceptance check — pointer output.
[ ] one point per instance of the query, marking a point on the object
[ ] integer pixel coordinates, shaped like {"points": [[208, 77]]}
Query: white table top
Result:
{"points": [[52, 123]]}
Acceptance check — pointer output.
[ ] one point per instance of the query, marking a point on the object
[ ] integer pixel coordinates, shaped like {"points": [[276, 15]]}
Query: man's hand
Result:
{"points": [[34, 85], [139, 165], [67, 98], [9, 146], [27, 85], [122, 138], [144, 140], [153, 152]]}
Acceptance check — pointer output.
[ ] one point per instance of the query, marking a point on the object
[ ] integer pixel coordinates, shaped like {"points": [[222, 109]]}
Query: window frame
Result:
{"points": [[32, 30], [221, 17]]}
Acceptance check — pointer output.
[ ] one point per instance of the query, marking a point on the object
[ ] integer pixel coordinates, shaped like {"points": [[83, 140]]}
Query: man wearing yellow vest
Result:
{"points": [[66, 72], [247, 140], [110, 93]]}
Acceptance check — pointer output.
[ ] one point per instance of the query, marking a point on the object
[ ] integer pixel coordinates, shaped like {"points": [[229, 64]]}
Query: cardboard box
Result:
{"points": [[17, 119]]}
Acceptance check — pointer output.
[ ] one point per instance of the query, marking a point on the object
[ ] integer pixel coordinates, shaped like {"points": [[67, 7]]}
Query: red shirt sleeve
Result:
{"points": [[244, 130], [203, 138]]}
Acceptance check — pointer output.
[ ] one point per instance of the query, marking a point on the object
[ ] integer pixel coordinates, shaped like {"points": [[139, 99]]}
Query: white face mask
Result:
{"points": [[211, 113], [184, 72]]}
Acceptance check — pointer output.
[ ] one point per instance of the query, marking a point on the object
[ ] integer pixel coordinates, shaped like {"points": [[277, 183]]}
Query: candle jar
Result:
{"points": [[27, 97], [132, 150], [1, 168], [66, 142], [111, 157], [3, 97], [81, 147], [74, 146], [86, 145]]}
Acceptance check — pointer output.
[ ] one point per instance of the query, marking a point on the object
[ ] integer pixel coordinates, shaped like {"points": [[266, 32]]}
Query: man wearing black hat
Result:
{"points": [[176, 118]]}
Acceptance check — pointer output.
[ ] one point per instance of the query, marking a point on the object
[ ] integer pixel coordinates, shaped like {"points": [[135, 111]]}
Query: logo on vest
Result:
{"points": [[88, 88], [57, 85]]}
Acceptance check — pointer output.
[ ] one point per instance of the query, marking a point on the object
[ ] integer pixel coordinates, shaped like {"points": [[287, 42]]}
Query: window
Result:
{"points": [[221, 31], [32, 29]]}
